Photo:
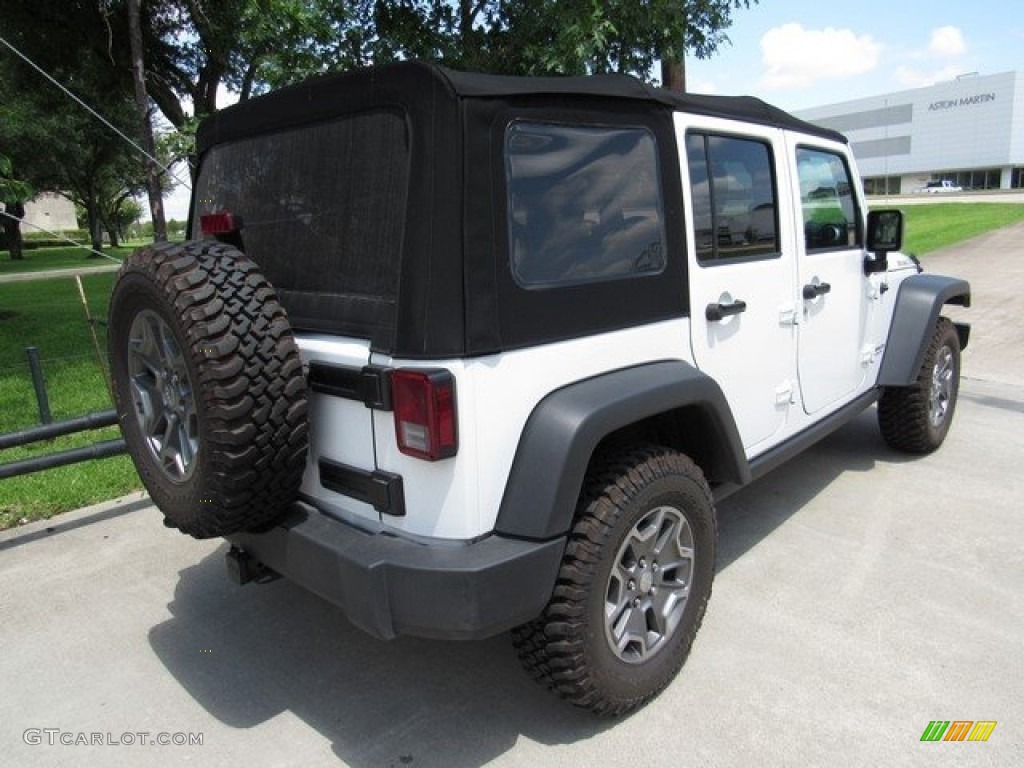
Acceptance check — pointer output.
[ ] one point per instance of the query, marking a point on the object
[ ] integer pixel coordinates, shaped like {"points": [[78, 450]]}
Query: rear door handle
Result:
{"points": [[814, 290], [716, 312]]}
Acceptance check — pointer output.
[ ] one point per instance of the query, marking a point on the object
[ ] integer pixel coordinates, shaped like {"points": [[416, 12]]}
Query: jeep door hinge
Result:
{"points": [[784, 393], [788, 315], [870, 353]]}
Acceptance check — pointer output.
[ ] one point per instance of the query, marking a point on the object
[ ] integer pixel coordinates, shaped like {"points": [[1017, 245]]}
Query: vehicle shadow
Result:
{"points": [[249, 654]]}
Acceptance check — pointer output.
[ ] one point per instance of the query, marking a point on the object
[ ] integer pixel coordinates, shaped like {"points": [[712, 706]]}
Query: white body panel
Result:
{"points": [[459, 498], [339, 429]]}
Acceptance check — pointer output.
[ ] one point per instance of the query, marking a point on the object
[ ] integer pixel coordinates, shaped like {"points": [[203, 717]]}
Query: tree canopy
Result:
{"points": [[194, 49]]}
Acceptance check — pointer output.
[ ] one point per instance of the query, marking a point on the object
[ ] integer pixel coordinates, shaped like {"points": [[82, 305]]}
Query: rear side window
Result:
{"points": [[735, 210], [830, 212], [584, 204]]}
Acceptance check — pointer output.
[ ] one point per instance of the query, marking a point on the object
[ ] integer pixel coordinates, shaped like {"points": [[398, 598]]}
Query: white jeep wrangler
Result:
{"points": [[464, 354]]}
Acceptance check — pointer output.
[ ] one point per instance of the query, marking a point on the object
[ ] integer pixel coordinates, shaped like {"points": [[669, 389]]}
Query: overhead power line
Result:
{"points": [[93, 112]]}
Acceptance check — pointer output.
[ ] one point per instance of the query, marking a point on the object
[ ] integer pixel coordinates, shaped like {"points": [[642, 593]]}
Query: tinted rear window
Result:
{"points": [[584, 204], [323, 209]]}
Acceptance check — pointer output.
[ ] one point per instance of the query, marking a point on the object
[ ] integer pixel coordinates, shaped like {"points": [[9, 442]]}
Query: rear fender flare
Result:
{"points": [[566, 427]]}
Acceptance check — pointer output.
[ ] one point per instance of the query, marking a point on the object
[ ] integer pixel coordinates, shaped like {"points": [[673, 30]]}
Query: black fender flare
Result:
{"points": [[918, 304], [566, 427]]}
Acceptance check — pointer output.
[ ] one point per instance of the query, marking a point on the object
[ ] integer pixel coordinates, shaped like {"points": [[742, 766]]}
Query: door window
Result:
{"points": [[830, 213], [734, 198]]}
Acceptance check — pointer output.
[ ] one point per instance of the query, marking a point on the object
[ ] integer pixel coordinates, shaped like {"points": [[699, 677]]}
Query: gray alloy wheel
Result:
{"points": [[941, 397], [163, 395], [649, 585]]}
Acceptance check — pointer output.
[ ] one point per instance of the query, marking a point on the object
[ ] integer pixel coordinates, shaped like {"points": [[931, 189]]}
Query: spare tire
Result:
{"points": [[208, 386]]}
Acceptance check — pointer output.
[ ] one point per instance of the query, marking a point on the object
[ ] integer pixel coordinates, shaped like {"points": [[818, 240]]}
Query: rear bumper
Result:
{"points": [[389, 586]]}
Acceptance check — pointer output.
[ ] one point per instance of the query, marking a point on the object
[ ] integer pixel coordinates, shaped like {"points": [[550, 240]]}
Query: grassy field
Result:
{"points": [[40, 259], [48, 315], [932, 226]]}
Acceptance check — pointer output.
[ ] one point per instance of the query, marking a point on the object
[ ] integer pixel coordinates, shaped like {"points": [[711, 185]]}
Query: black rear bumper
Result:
{"points": [[389, 586]]}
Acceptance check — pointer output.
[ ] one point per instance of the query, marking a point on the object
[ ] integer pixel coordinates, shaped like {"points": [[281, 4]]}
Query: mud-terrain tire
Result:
{"points": [[633, 586], [208, 386], [916, 419]]}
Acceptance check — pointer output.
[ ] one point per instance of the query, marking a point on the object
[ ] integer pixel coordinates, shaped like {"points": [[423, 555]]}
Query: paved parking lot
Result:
{"points": [[859, 596]]}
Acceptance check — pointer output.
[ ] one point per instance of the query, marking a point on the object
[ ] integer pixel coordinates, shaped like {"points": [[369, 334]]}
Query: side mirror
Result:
{"points": [[885, 234], [885, 231]]}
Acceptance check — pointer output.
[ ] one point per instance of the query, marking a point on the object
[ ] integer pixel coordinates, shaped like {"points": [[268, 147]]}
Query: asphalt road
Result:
{"points": [[860, 595]]}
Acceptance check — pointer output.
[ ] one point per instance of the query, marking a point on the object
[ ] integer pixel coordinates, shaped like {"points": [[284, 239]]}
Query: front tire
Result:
{"points": [[916, 419], [633, 586]]}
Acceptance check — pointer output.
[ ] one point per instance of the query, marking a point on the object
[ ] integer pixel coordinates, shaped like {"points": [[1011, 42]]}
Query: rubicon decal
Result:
{"points": [[958, 730]]}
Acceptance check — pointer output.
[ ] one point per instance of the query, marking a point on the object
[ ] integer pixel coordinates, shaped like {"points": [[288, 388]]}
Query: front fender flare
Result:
{"points": [[918, 304], [565, 428]]}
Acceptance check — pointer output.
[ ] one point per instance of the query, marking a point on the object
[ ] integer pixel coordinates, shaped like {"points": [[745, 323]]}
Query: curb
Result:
{"points": [[74, 519]]}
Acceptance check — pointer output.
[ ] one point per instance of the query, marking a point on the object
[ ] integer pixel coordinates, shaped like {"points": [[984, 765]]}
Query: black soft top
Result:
{"points": [[375, 202], [412, 81]]}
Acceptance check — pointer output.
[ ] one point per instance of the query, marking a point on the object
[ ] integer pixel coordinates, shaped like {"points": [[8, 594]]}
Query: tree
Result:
{"points": [[153, 190]]}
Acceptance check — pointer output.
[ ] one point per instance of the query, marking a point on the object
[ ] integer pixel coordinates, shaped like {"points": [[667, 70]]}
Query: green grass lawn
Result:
{"points": [[48, 315], [932, 226], [66, 257]]}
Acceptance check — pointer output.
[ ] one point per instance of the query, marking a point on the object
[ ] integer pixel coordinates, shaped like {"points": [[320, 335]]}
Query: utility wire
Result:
{"points": [[93, 112]]}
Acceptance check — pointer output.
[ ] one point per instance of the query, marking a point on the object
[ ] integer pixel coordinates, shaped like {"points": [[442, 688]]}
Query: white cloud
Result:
{"points": [[914, 78], [947, 42], [795, 57]]}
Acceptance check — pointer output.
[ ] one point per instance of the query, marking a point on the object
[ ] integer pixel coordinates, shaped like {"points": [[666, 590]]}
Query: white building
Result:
{"points": [[969, 130], [49, 212]]}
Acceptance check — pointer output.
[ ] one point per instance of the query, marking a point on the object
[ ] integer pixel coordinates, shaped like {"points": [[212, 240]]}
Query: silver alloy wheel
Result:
{"points": [[649, 585], [163, 396], [942, 386]]}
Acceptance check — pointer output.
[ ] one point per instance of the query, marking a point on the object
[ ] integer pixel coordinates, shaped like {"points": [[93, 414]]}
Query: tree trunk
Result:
{"points": [[156, 202], [92, 212], [13, 212], [673, 73], [112, 234]]}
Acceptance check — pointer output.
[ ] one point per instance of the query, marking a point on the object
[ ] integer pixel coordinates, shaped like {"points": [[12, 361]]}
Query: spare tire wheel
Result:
{"points": [[208, 386]]}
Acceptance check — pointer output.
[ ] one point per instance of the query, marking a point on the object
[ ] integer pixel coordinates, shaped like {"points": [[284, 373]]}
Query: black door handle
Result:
{"points": [[716, 312], [813, 291]]}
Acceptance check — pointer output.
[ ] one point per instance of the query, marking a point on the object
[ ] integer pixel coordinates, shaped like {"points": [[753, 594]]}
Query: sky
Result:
{"points": [[798, 54]]}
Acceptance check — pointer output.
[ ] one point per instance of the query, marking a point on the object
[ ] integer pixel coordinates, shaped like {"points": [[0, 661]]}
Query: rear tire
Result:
{"points": [[633, 586], [916, 419], [208, 386]]}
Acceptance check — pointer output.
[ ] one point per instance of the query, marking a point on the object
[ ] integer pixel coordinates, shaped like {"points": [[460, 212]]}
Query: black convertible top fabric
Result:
{"points": [[411, 250], [411, 81]]}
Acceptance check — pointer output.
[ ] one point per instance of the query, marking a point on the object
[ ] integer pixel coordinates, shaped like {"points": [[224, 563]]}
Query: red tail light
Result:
{"points": [[219, 223], [425, 415]]}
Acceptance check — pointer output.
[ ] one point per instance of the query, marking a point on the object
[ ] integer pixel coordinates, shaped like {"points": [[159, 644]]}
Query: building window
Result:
{"points": [[983, 178], [1017, 178], [882, 185]]}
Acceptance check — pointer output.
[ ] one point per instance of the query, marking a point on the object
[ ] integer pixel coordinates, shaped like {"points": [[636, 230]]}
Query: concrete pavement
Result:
{"points": [[860, 594]]}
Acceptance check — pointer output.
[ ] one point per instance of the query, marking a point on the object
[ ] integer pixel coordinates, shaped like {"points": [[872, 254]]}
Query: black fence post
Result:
{"points": [[39, 383]]}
